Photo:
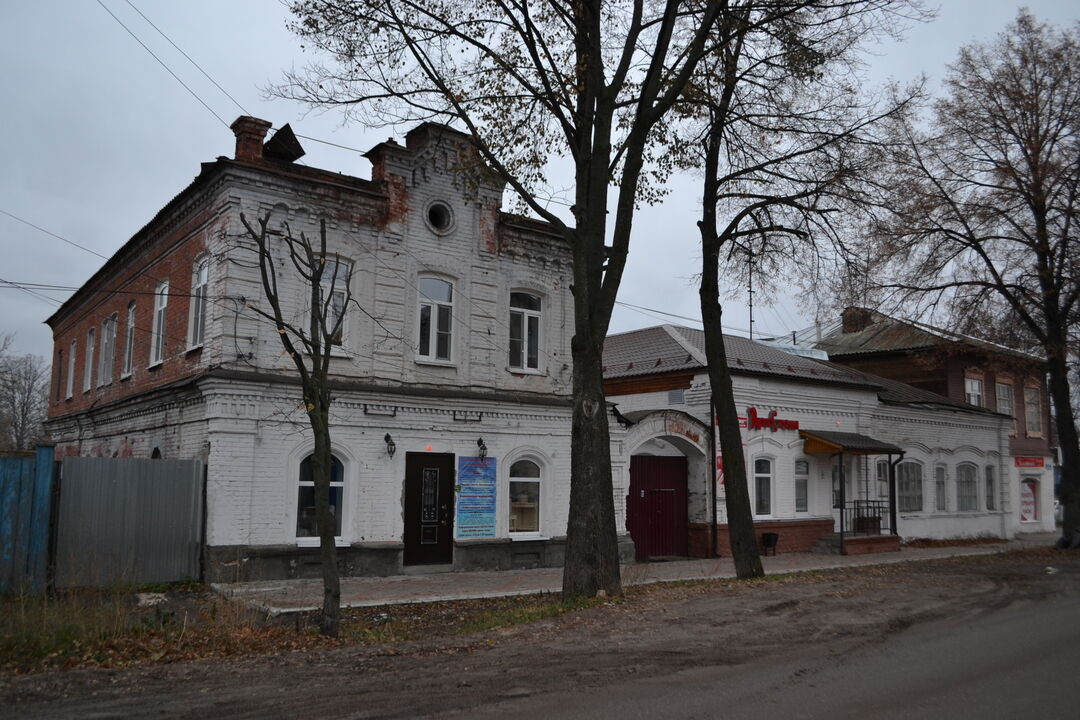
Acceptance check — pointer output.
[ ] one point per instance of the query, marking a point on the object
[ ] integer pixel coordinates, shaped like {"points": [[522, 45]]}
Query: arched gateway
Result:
{"points": [[668, 499]]}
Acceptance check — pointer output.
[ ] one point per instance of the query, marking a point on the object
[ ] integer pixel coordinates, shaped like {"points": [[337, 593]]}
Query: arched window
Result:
{"points": [[1033, 409], [991, 500], [763, 479], [306, 526], [940, 494], [108, 350], [436, 314], [525, 479], [88, 362], [334, 291], [200, 278], [909, 482], [70, 389], [967, 487], [129, 340], [160, 327], [525, 315], [802, 482]]}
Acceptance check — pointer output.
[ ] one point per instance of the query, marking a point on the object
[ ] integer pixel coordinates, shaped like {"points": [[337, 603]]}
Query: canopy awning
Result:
{"points": [[827, 442]]}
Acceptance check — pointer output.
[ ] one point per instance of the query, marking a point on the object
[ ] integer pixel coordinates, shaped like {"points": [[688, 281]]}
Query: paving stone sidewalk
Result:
{"points": [[285, 596]]}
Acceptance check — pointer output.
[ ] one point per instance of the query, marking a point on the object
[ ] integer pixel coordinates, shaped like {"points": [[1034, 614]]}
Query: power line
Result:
{"points": [[189, 58], [162, 63], [47, 232]]}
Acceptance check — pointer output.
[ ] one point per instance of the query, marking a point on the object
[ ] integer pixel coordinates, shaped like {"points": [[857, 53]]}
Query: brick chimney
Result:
{"points": [[855, 319], [250, 133]]}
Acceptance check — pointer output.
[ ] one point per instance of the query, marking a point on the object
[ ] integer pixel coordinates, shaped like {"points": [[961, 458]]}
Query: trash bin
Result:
{"points": [[769, 541]]}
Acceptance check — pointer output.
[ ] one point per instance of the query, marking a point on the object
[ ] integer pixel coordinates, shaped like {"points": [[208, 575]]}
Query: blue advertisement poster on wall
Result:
{"points": [[476, 498]]}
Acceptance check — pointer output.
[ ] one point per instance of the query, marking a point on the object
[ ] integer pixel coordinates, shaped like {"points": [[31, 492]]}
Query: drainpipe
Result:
{"points": [[712, 480], [843, 499], [892, 491]]}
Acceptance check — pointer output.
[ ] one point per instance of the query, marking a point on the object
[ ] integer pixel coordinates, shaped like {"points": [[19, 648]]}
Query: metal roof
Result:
{"points": [[889, 334], [853, 443], [670, 348]]}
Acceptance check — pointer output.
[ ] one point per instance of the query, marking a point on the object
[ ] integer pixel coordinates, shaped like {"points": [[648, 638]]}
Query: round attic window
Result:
{"points": [[440, 217]]}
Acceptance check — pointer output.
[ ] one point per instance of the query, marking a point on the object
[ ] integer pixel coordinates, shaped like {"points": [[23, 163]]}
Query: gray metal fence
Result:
{"points": [[128, 521]]}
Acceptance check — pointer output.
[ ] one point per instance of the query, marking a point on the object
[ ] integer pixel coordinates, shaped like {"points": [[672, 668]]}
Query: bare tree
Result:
{"points": [[326, 283], [785, 139], [984, 204], [533, 83], [24, 387]]}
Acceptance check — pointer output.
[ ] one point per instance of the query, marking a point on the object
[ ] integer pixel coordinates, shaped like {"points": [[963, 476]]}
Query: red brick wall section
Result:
{"points": [[870, 545], [795, 535], [172, 257]]}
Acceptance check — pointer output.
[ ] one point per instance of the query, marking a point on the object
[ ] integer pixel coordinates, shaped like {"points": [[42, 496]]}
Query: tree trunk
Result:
{"points": [[592, 548], [321, 469], [740, 520], [1058, 368]]}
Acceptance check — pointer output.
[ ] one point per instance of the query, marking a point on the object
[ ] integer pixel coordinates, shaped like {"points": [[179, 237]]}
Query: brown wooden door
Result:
{"points": [[656, 513], [429, 508]]}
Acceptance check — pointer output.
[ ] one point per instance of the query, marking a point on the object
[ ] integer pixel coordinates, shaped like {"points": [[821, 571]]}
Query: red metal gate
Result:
{"points": [[656, 514]]}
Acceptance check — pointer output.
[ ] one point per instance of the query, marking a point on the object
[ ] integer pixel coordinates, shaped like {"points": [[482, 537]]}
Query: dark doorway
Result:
{"points": [[656, 513], [429, 508]]}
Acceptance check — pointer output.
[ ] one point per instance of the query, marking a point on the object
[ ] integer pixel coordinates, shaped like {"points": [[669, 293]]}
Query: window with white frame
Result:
{"points": [[909, 486], [524, 497], [108, 350], [967, 487], [802, 486], [882, 470], [940, 491], [197, 322], [763, 480], [334, 291], [991, 488], [88, 362], [71, 370], [436, 314], [973, 390], [129, 341], [525, 315], [1033, 410], [306, 524], [160, 328], [1005, 403]]}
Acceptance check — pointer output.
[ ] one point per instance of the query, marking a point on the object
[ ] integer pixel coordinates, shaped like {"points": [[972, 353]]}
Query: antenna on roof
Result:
{"points": [[750, 288]]}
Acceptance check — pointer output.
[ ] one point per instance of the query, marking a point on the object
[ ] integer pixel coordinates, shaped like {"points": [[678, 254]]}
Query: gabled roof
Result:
{"points": [[888, 334], [670, 348]]}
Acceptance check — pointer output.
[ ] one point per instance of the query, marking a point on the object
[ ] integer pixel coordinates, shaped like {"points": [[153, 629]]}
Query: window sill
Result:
{"points": [[154, 365], [125, 377], [314, 542], [194, 348], [525, 371], [528, 536], [435, 363]]}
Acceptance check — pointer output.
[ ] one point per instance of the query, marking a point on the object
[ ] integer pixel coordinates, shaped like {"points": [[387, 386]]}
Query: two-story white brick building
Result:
{"points": [[451, 412]]}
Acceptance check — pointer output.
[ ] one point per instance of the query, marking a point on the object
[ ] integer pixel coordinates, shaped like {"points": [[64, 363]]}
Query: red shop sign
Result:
{"points": [[1032, 462], [772, 422]]}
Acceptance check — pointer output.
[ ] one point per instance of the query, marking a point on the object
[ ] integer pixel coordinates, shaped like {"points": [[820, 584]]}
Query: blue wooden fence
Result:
{"points": [[26, 483]]}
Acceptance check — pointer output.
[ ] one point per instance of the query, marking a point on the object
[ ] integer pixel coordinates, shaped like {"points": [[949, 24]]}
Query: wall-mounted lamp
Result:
{"points": [[391, 448], [482, 447]]}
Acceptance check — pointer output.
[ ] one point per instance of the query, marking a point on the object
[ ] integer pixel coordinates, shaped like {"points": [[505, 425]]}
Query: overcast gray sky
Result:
{"points": [[97, 136]]}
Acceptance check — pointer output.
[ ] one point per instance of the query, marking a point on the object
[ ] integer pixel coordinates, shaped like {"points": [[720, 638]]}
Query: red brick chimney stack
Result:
{"points": [[250, 133], [855, 319]]}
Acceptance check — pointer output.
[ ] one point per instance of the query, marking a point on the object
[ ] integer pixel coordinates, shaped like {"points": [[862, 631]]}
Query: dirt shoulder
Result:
{"points": [[652, 631]]}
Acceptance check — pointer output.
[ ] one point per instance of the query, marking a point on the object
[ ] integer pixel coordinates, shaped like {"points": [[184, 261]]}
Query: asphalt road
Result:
{"points": [[1019, 662]]}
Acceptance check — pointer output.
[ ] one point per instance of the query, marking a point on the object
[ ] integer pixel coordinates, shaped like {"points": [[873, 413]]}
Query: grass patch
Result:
{"points": [[118, 628]]}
